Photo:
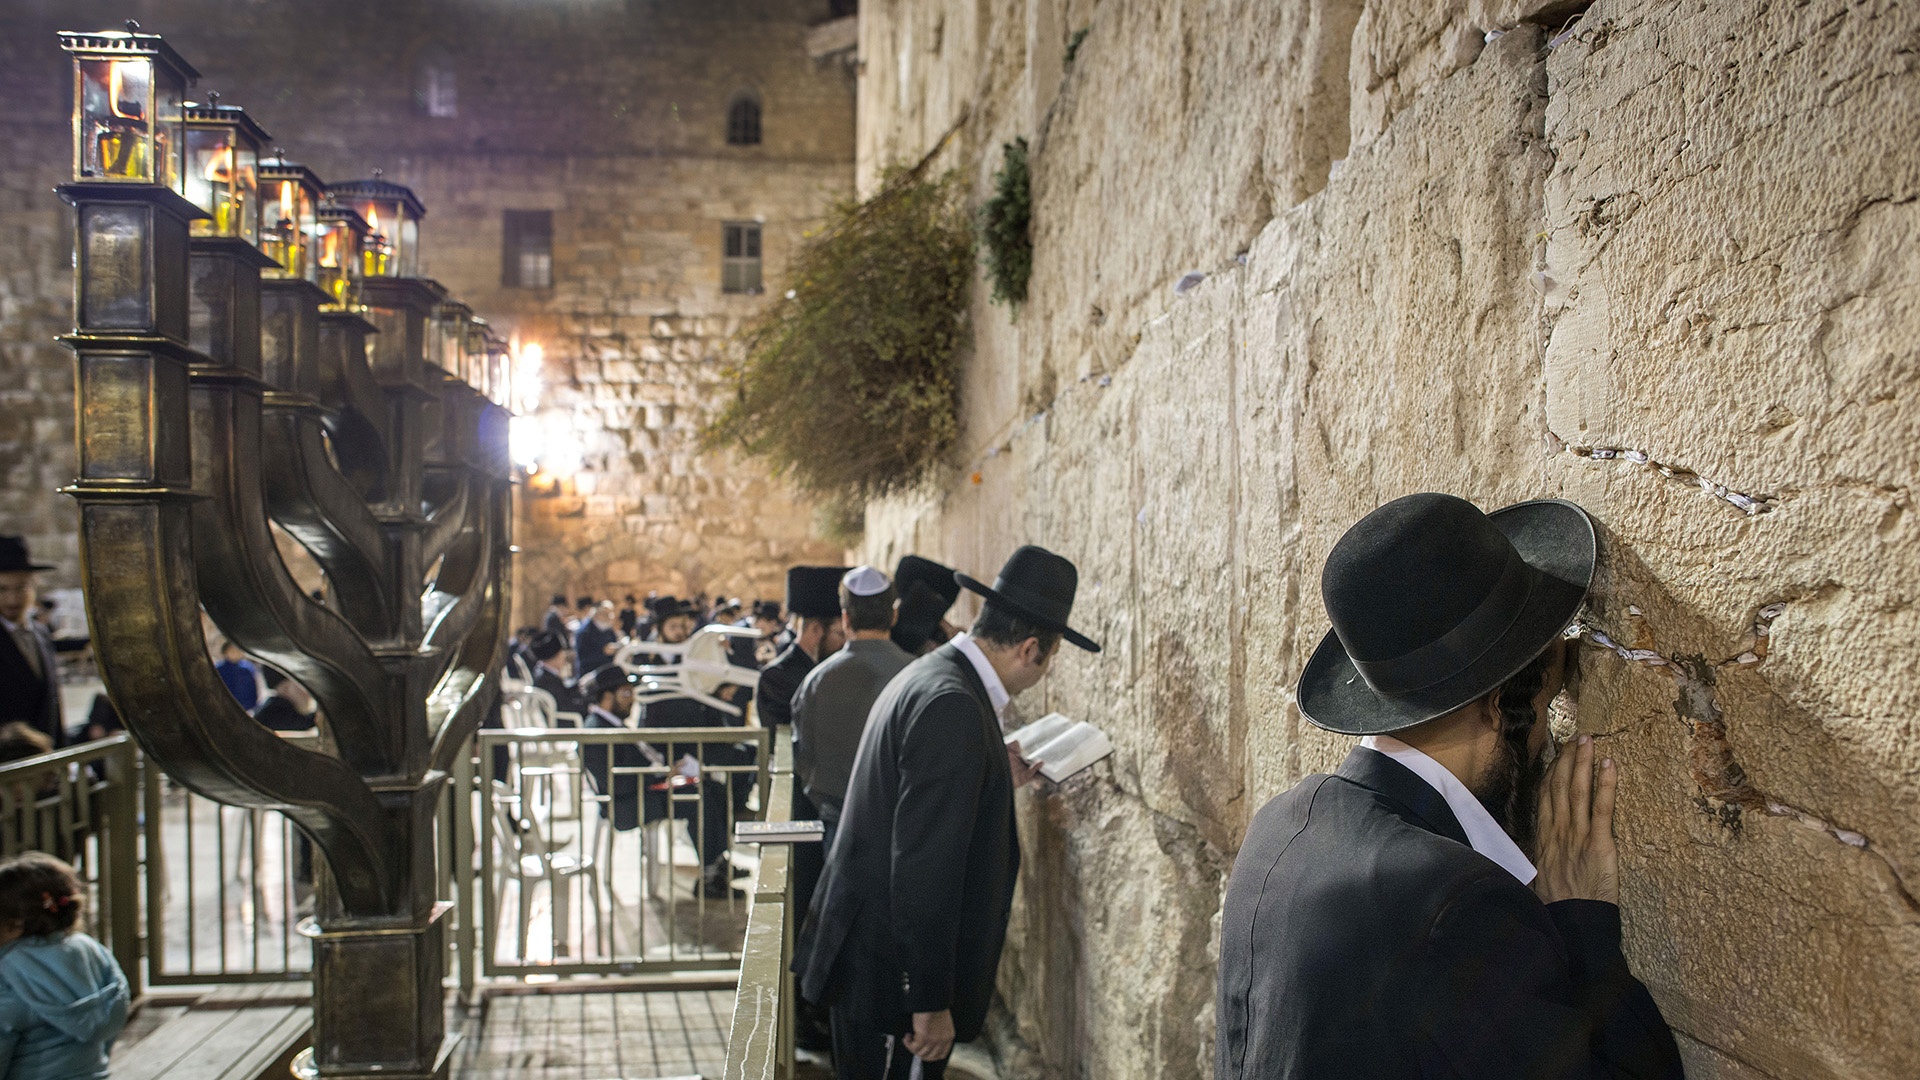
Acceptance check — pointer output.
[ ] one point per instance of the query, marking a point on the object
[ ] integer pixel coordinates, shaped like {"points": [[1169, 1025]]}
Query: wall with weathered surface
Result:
{"points": [[612, 115], [1655, 259]]}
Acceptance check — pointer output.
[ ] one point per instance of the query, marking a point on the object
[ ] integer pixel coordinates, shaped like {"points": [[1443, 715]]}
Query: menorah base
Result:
{"points": [[305, 1068], [378, 1005]]}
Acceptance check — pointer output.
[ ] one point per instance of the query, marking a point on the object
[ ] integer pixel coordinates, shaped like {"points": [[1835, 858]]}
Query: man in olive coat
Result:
{"points": [[907, 925]]}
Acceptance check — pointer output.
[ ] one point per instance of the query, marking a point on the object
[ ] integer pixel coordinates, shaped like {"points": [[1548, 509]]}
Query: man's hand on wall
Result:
{"points": [[1577, 858]]}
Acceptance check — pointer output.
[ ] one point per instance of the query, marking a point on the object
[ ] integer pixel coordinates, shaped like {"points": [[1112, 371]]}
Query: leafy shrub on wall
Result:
{"points": [[847, 385], [1006, 226]]}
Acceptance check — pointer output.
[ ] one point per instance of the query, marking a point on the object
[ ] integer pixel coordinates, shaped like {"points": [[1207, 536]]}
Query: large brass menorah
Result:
{"points": [[213, 402]]}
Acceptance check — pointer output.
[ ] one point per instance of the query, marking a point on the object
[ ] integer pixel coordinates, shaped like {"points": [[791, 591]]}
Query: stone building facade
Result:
{"points": [[608, 120], [1654, 257]]}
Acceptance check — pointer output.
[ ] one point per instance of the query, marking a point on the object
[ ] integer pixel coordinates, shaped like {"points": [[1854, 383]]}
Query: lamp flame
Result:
{"points": [[286, 200], [220, 165], [121, 97], [373, 219]]}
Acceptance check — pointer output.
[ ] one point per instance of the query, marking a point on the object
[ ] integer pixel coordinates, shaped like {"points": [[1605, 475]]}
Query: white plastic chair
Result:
{"points": [[527, 857]]}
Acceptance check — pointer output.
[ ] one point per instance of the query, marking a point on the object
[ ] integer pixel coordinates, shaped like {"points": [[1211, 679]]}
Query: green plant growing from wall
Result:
{"points": [[1073, 44], [1006, 226], [847, 384]]}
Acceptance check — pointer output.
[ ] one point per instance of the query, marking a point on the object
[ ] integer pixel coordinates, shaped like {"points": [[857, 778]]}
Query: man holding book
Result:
{"points": [[1446, 903], [904, 939]]}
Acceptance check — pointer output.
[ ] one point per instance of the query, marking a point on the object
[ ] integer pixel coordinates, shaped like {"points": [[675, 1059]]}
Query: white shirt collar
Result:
{"points": [[1484, 833], [996, 690]]}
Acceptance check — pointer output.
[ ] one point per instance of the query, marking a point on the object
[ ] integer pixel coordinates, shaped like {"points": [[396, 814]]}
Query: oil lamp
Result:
{"points": [[290, 194], [342, 238], [447, 337], [128, 125], [222, 175], [474, 366], [393, 216]]}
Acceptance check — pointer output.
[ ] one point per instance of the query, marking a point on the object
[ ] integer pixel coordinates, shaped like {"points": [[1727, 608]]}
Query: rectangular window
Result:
{"points": [[527, 249], [740, 257]]}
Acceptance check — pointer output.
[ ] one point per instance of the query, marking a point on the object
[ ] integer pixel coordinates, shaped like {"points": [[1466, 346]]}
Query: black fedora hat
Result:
{"points": [[606, 680], [927, 591], [1038, 586], [1435, 604], [14, 557], [813, 592]]}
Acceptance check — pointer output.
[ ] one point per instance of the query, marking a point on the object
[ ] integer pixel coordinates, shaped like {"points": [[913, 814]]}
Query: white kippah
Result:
{"points": [[865, 581]]}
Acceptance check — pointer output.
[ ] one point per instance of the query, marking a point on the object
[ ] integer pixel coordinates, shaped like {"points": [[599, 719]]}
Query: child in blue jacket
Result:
{"points": [[62, 996]]}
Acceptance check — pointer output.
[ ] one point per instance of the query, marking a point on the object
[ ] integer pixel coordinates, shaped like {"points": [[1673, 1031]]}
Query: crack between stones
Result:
{"points": [[1750, 504], [1724, 786]]}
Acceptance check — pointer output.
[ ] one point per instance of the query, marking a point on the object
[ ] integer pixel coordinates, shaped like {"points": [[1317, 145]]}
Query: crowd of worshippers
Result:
{"points": [[587, 656]]}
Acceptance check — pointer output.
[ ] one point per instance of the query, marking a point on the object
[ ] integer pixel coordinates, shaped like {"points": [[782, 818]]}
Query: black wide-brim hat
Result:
{"points": [[14, 557], [1038, 586], [1434, 604], [813, 592], [927, 591]]}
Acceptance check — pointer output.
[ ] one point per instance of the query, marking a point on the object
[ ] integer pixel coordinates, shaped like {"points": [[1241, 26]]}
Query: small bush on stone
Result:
{"points": [[1073, 44], [847, 385], [1006, 226]]}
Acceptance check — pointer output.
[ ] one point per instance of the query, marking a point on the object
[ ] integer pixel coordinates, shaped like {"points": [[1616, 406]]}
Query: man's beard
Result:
{"points": [[1510, 787]]}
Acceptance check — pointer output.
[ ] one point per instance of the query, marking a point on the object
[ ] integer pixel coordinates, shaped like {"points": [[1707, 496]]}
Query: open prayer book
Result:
{"points": [[1062, 746]]}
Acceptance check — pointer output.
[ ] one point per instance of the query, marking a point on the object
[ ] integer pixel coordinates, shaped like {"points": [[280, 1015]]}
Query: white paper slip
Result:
{"points": [[1062, 746], [779, 832]]}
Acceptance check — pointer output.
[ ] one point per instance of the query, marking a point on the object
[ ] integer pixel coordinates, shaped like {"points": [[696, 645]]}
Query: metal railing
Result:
{"points": [[80, 804], [226, 888], [592, 856], [760, 1045]]}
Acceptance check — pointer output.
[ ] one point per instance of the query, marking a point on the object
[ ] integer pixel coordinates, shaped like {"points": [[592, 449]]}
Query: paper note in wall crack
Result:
{"points": [[1062, 746]]}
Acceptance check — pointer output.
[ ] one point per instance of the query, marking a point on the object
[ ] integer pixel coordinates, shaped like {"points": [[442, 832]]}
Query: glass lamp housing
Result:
{"points": [[474, 368], [223, 176], [393, 214], [447, 337], [128, 122], [343, 238], [290, 198]]}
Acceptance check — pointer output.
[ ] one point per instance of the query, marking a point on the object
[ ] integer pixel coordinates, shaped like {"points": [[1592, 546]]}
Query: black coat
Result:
{"points": [[28, 698], [778, 682], [1363, 938], [590, 647], [566, 694], [912, 911]]}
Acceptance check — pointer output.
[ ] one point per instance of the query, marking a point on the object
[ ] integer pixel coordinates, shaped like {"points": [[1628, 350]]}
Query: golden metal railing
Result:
{"points": [[760, 1045]]}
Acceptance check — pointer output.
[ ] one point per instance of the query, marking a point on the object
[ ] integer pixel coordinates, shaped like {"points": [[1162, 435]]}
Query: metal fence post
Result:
{"points": [[461, 806], [121, 860]]}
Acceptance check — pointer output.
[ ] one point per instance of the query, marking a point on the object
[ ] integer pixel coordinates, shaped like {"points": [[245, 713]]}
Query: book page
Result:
{"points": [[1037, 734], [1072, 751]]}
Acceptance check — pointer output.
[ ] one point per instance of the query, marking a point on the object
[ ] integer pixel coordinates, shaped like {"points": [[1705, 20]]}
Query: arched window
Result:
{"points": [[743, 122], [435, 90]]}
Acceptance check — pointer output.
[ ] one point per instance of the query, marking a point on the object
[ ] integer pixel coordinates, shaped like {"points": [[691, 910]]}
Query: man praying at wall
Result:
{"points": [[904, 939], [830, 708], [1446, 903]]}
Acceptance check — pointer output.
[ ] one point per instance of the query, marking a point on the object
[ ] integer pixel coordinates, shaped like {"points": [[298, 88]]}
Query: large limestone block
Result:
{"points": [[1732, 296]]}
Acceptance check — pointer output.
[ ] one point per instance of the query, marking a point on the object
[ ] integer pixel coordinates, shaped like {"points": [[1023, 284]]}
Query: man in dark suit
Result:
{"points": [[1445, 904], [595, 641], [632, 798], [550, 674], [29, 677], [813, 610], [905, 935], [556, 619]]}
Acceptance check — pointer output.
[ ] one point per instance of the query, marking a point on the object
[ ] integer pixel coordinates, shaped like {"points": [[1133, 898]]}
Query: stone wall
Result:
{"points": [[610, 114], [1653, 257]]}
